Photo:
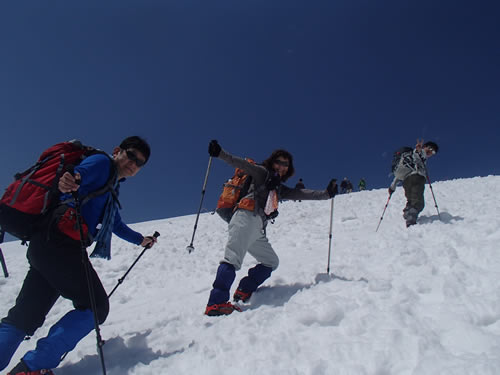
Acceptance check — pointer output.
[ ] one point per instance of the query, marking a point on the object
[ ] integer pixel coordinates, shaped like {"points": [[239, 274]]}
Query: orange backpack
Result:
{"points": [[233, 194]]}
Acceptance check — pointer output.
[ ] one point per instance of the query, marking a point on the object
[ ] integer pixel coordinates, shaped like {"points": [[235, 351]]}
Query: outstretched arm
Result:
{"points": [[258, 172], [304, 194]]}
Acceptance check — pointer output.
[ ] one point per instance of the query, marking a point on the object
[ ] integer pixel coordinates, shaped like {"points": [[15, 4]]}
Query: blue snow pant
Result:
{"points": [[56, 269], [246, 234]]}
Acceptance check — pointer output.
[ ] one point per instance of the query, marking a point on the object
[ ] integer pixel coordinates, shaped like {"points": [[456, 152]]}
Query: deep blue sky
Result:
{"points": [[340, 84]]}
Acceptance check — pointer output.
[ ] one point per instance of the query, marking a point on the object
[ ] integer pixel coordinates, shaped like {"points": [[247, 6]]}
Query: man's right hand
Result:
{"points": [[69, 183], [214, 148], [391, 190]]}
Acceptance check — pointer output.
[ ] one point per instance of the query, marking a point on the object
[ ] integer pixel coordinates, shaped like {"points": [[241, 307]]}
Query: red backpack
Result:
{"points": [[35, 191]]}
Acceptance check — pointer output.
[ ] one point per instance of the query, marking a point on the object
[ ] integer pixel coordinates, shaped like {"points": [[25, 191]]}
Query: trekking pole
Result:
{"points": [[432, 191], [86, 265], [2, 259], [4, 265], [190, 247], [120, 280], [381, 217], [330, 239], [430, 185]]}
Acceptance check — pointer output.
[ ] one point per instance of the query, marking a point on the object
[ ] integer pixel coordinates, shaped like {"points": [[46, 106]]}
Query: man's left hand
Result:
{"points": [[148, 241]]}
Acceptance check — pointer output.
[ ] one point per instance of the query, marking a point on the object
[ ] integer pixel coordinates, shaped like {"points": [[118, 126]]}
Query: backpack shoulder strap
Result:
{"points": [[108, 186]]}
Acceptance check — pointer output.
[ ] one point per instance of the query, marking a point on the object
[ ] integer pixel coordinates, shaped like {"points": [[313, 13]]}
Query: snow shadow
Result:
{"points": [[446, 218], [119, 356], [325, 277], [276, 295]]}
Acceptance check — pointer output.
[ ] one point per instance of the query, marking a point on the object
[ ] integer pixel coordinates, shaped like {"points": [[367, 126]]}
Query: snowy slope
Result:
{"points": [[423, 300]]}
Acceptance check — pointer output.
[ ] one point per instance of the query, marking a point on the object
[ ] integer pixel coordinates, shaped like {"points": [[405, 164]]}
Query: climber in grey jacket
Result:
{"points": [[247, 225], [412, 171]]}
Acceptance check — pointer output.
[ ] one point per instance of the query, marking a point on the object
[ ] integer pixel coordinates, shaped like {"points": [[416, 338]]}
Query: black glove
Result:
{"points": [[391, 190], [332, 188], [214, 148], [273, 181]]}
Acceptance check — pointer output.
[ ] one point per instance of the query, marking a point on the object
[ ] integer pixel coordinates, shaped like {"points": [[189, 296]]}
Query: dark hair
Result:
{"points": [[268, 163], [433, 145], [138, 143]]}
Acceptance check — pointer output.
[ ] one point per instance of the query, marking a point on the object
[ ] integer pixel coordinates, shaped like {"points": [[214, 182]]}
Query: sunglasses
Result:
{"points": [[431, 150], [283, 163], [133, 157]]}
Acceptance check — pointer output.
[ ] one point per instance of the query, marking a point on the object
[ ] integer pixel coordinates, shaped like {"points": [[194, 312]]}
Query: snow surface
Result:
{"points": [[423, 300]]}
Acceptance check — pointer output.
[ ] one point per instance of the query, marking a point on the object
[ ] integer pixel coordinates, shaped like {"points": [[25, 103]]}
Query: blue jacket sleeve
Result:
{"points": [[94, 171], [123, 231]]}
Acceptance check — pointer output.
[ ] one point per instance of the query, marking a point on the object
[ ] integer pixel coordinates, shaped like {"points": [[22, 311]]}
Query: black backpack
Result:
{"points": [[397, 156]]}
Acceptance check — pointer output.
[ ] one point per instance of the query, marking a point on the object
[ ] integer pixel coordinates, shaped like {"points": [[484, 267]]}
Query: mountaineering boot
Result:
{"points": [[410, 215], [241, 295], [22, 369], [221, 309]]}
